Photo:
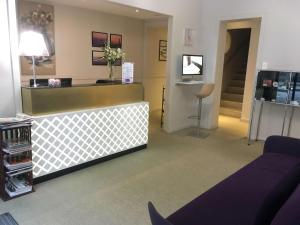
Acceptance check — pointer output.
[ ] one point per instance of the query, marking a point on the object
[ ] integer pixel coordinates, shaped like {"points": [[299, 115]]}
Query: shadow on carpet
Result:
{"points": [[7, 219]]}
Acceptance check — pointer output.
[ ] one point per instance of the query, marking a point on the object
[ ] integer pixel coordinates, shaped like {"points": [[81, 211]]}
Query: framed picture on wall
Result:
{"points": [[98, 58], [99, 39], [115, 40], [163, 46], [188, 36], [31, 16]]}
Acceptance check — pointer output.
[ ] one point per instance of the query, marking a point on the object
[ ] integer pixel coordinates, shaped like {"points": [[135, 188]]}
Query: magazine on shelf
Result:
{"points": [[13, 144], [14, 122], [19, 192], [16, 186], [14, 192], [17, 166], [13, 151], [18, 183], [16, 172]]}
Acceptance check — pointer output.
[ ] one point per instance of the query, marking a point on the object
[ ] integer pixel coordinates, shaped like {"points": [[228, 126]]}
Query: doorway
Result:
{"points": [[155, 68], [236, 70]]}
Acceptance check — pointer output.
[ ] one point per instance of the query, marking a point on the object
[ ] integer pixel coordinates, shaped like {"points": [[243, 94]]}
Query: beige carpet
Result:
{"points": [[171, 172]]}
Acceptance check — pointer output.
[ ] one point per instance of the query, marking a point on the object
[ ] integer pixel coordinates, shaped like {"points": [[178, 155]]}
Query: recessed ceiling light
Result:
{"points": [[137, 10]]}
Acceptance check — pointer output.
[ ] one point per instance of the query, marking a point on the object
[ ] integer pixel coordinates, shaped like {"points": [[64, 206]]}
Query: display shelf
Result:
{"points": [[15, 158]]}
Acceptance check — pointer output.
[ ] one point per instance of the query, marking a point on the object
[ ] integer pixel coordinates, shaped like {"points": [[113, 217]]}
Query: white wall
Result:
{"points": [[180, 101], [280, 33], [7, 101], [279, 37], [154, 70], [73, 27]]}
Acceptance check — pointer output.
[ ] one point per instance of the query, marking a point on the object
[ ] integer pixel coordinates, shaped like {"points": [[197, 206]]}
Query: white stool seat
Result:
{"points": [[205, 90]]}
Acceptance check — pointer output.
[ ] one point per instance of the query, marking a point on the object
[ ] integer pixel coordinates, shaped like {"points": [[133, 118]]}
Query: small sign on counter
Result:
{"points": [[127, 72]]}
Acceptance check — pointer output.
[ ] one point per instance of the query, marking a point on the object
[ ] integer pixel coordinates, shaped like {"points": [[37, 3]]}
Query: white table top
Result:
{"points": [[190, 82]]}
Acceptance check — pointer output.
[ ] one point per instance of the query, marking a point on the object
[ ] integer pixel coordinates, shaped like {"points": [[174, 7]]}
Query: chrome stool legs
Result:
{"points": [[197, 132], [205, 91], [199, 116]]}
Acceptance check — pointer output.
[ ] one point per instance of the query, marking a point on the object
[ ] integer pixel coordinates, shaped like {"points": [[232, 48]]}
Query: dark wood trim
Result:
{"points": [[85, 165]]}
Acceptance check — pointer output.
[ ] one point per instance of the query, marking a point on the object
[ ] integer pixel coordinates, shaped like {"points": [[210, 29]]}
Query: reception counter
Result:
{"points": [[103, 121], [45, 100]]}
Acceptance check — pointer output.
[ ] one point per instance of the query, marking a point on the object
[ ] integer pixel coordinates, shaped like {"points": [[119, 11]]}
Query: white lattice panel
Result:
{"points": [[63, 140]]}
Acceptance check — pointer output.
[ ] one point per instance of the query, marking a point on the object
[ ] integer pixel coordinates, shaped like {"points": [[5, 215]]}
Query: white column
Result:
{"points": [[7, 103]]}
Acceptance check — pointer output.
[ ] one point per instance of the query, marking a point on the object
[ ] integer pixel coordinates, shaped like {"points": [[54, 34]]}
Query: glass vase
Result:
{"points": [[111, 72]]}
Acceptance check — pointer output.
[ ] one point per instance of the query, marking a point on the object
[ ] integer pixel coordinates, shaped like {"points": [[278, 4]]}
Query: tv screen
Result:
{"points": [[192, 65]]}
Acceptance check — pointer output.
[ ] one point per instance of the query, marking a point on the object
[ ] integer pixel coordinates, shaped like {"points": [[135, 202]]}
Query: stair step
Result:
{"points": [[232, 97], [235, 90], [232, 104], [241, 77], [241, 71], [230, 112], [237, 83]]}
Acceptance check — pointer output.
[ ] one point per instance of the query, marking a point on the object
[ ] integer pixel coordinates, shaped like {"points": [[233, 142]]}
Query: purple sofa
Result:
{"points": [[254, 195]]}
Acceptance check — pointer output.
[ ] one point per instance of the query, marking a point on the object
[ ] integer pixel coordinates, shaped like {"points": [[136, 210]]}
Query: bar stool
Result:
{"points": [[205, 91]]}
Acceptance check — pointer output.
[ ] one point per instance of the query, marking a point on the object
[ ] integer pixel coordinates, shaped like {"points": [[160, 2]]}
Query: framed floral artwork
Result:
{"points": [[39, 18]]}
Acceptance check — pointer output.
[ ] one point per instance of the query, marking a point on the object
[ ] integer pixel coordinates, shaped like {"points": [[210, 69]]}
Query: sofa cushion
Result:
{"points": [[283, 145], [289, 214], [251, 196]]}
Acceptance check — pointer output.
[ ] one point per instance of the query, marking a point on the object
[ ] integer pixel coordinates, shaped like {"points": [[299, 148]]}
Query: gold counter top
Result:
{"points": [[44, 100]]}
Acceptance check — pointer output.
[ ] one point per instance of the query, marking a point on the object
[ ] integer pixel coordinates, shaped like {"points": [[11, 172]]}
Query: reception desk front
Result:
{"points": [[45, 100], [79, 126]]}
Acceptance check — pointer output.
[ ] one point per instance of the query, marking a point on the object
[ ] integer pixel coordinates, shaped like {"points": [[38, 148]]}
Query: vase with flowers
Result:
{"points": [[112, 55]]}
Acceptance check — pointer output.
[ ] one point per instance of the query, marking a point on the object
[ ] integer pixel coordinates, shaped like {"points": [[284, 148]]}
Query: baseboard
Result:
{"points": [[85, 165]]}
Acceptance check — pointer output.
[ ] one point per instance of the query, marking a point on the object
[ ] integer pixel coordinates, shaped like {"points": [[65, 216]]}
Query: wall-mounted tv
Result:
{"points": [[192, 65]]}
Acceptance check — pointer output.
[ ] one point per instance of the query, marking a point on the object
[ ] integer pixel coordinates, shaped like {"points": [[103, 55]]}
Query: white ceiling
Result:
{"points": [[109, 7]]}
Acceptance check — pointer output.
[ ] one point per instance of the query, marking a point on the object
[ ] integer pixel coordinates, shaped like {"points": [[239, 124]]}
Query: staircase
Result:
{"points": [[232, 97], [234, 73]]}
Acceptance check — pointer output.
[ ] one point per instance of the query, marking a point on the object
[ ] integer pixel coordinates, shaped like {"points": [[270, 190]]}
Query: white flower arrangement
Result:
{"points": [[112, 55], [37, 19]]}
